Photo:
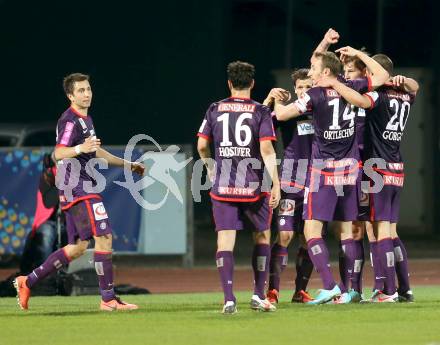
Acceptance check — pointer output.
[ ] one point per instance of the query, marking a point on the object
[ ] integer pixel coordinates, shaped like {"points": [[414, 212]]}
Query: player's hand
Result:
{"points": [[279, 94], [347, 51], [275, 196], [138, 168], [331, 36], [91, 144], [325, 82], [398, 80]]}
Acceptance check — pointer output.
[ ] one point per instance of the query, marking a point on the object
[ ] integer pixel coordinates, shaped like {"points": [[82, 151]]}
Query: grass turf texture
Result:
{"points": [[196, 319]]}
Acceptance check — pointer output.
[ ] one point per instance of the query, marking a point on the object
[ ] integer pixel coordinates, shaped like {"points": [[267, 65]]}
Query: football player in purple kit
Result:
{"points": [[354, 68], [331, 192], [297, 137], [86, 217], [241, 131], [387, 115]]}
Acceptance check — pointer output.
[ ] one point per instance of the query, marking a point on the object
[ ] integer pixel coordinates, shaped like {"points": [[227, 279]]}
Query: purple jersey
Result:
{"points": [[333, 121], [386, 120], [236, 126], [297, 136], [72, 129]]}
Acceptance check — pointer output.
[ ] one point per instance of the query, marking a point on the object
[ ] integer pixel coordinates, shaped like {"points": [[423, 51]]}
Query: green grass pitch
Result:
{"points": [[195, 319]]}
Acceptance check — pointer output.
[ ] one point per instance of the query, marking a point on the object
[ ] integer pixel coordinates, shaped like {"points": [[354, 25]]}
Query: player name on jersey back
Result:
{"points": [[236, 126], [234, 152]]}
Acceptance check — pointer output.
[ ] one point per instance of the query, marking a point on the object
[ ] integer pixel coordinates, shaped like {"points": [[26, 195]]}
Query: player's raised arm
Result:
{"points": [[378, 74], [119, 162], [330, 37], [286, 112], [350, 95], [407, 84], [277, 93]]}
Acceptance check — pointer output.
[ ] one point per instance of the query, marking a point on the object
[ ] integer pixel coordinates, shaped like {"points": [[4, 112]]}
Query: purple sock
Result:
{"points": [[342, 264], [304, 268], [377, 270], [104, 270], [225, 266], [401, 265], [318, 253], [53, 263], [278, 262], [359, 258], [260, 264], [385, 250], [349, 253]]}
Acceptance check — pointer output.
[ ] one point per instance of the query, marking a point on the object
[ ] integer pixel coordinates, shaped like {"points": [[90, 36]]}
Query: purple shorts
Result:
{"points": [[230, 215], [385, 205], [321, 199], [86, 219], [290, 212]]}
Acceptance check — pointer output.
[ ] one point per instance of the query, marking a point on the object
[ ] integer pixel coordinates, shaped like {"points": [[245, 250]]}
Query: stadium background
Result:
{"points": [[151, 61]]}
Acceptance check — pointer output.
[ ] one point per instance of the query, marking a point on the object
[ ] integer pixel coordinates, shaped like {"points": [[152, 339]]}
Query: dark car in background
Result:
{"points": [[22, 135]]}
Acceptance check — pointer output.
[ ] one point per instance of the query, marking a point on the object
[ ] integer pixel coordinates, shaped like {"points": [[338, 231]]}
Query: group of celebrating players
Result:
{"points": [[341, 164]]}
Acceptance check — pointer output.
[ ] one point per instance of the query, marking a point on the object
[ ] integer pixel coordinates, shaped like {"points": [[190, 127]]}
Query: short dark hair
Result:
{"points": [[69, 81], [241, 74], [385, 62], [300, 74], [330, 61], [358, 63]]}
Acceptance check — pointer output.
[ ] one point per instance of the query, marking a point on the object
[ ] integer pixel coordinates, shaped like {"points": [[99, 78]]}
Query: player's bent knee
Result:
{"points": [[104, 243], [262, 237], [285, 237], [74, 251]]}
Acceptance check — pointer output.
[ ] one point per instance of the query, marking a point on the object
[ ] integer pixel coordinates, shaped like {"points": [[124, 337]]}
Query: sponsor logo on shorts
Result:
{"points": [[282, 221], [103, 226], [287, 207], [99, 211]]}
